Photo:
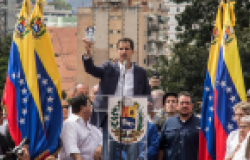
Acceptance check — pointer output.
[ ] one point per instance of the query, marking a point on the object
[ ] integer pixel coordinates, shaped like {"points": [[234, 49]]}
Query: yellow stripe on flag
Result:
{"points": [[25, 44], [44, 48], [215, 46], [231, 54]]}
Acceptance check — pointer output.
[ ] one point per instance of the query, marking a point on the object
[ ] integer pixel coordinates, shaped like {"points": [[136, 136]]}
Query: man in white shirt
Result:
{"points": [[81, 140]]}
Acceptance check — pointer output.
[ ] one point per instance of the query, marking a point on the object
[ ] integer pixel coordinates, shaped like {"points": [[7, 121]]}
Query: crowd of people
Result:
{"points": [[172, 131]]}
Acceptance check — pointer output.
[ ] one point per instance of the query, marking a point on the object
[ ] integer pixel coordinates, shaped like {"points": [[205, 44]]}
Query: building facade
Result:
{"points": [[115, 19]]}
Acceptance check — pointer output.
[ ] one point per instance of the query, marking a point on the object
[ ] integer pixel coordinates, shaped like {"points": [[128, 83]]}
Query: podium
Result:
{"points": [[124, 123]]}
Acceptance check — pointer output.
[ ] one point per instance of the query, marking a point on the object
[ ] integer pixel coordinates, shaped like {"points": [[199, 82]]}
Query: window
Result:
{"points": [[159, 6], [168, 28], [178, 9], [118, 31], [168, 19], [111, 31], [119, 17], [111, 46], [145, 47]]}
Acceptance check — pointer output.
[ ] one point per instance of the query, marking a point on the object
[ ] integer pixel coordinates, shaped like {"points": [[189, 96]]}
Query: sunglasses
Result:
{"points": [[65, 106]]}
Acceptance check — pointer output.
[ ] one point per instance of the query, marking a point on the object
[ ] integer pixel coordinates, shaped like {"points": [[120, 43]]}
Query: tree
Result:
{"points": [[20, 1], [61, 4], [64, 94], [187, 66], [5, 44]]}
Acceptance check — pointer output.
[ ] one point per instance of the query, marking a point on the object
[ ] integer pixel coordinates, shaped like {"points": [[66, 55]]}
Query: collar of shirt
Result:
{"points": [[186, 121], [77, 118], [129, 70]]}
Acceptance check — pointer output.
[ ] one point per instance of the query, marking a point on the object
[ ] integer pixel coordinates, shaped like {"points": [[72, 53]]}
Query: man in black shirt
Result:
{"points": [[179, 138]]}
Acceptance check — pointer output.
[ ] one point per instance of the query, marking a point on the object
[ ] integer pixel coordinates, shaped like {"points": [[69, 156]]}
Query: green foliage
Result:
{"points": [[20, 1], [186, 69], [5, 44], [61, 4], [140, 123], [64, 94]]}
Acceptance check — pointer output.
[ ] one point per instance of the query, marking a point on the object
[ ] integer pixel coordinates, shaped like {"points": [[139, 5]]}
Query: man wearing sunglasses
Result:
{"points": [[65, 108]]}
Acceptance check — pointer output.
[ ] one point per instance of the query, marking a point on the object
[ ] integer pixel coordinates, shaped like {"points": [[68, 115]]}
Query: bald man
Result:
{"points": [[80, 89], [94, 92]]}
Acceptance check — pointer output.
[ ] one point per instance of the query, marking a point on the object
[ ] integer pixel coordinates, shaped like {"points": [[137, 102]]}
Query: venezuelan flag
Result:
{"points": [[32, 94], [207, 149], [22, 91], [229, 84], [49, 81]]}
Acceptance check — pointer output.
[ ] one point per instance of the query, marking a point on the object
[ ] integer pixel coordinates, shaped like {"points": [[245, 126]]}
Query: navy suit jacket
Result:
{"points": [[109, 74]]}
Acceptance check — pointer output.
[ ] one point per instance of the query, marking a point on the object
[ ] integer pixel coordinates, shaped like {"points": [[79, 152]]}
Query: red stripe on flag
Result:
{"points": [[12, 112], [221, 135], [203, 153]]}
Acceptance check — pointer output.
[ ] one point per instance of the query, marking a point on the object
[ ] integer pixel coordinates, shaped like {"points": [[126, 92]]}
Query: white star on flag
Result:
{"points": [[21, 82], [24, 111], [233, 118], [13, 76], [210, 98], [22, 121], [46, 118], [38, 76], [232, 98], [207, 89], [24, 91], [24, 100], [230, 126], [50, 99], [45, 81], [49, 90], [50, 109], [229, 89], [207, 129], [210, 119], [18, 75], [211, 108], [223, 83]]}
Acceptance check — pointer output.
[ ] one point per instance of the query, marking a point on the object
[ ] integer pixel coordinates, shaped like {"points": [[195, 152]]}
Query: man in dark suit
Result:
{"points": [[110, 74]]}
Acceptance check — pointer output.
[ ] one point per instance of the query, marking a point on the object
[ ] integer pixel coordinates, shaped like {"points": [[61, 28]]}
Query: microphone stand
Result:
{"points": [[121, 104]]}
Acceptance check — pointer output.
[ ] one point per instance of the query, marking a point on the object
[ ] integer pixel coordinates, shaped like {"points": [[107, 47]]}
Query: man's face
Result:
{"points": [[157, 98], [125, 51], [94, 92], [65, 106], [244, 128], [87, 110], [171, 104], [185, 106], [82, 90], [248, 99], [238, 114]]}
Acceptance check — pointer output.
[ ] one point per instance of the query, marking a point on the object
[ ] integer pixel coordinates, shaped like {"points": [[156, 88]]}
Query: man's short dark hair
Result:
{"points": [[131, 42], [77, 102], [185, 93]]}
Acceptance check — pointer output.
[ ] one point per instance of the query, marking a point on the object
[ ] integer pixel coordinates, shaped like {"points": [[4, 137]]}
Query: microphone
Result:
{"points": [[125, 63], [18, 149]]}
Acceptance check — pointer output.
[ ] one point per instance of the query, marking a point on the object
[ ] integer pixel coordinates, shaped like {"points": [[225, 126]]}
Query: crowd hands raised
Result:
{"points": [[172, 132]]}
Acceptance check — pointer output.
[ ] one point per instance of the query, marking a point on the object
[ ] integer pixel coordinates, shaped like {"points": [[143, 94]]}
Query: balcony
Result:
{"points": [[151, 38], [162, 38], [151, 51], [162, 26], [152, 26]]}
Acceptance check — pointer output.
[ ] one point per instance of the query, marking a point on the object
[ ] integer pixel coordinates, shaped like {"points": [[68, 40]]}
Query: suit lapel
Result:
{"points": [[135, 78]]}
